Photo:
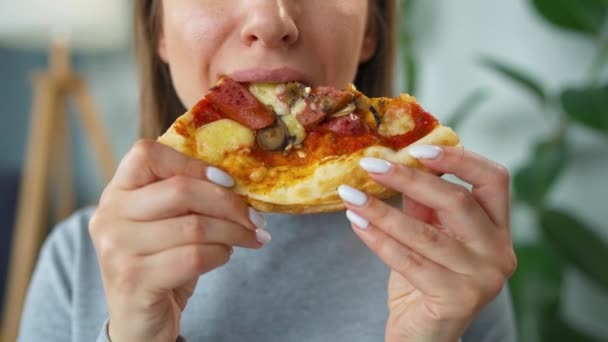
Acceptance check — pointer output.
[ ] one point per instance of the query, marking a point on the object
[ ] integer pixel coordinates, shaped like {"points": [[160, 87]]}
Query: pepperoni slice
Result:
{"points": [[205, 113], [311, 115], [323, 101], [331, 99], [235, 102], [348, 125]]}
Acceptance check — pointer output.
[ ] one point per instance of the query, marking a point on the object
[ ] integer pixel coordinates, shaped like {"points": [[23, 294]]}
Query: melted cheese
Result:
{"points": [[298, 107], [396, 121], [268, 94], [295, 128], [219, 137]]}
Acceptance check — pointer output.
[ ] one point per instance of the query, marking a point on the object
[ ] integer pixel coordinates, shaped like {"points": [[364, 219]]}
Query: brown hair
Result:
{"points": [[160, 105]]}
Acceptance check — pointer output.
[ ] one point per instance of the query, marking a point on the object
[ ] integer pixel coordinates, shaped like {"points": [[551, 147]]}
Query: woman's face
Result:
{"points": [[319, 42]]}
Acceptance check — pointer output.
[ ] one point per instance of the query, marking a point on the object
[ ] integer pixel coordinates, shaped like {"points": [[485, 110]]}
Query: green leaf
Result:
{"points": [[577, 244], [523, 79], [586, 16], [533, 181], [412, 75], [410, 61], [588, 106], [535, 287], [556, 329], [410, 65], [599, 61], [467, 107]]}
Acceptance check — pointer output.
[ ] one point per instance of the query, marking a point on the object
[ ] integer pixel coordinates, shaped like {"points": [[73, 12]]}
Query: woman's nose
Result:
{"points": [[270, 23]]}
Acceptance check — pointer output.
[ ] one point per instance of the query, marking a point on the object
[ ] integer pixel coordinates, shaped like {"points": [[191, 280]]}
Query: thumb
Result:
{"points": [[149, 161]]}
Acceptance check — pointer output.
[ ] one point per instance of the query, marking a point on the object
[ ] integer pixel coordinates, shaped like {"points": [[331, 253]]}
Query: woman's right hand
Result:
{"points": [[162, 221]]}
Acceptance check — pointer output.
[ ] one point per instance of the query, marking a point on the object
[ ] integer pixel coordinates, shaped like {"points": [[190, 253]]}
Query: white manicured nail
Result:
{"points": [[219, 177], [424, 151], [257, 219], [262, 236], [375, 165], [352, 195], [357, 220]]}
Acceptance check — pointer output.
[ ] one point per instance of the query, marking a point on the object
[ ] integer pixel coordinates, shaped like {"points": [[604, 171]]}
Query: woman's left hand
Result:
{"points": [[449, 249]]}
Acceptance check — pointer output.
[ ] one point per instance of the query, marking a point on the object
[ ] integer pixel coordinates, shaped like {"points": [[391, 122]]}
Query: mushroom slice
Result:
{"points": [[344, 111], [363, 103], [274, 137], [376, 115]]}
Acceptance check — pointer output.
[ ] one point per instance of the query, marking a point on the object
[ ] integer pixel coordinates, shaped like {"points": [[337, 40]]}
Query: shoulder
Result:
{"points": [[52, 292], [73, 227], [68, 237]]}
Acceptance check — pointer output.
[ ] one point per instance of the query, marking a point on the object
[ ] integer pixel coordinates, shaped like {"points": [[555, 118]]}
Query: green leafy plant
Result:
{"points": [[566, 240]]}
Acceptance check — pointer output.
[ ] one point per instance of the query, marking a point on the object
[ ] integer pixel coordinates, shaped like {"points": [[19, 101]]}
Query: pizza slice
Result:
{"points": [[289, 146]]}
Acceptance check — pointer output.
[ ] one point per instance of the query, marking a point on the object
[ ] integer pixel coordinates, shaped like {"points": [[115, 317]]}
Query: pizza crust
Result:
{"points": [[345, 170]]}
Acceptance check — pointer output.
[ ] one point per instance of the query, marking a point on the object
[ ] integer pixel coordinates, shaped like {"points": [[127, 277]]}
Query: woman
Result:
{"points": [[166, 220]]}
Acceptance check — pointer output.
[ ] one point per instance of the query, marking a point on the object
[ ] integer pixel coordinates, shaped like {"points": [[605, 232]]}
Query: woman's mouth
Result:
{"points": [[278, 75]]}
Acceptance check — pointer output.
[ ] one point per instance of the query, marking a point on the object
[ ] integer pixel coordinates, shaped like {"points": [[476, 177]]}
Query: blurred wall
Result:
{"points": [[15, 67]]}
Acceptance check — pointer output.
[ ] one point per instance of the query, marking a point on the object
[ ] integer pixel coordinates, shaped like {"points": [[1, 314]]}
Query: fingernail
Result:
{"points": [[375, 165], [352, 195], [357, 220], [424, 151], [262, 236], [256, 218], [219, 177]]}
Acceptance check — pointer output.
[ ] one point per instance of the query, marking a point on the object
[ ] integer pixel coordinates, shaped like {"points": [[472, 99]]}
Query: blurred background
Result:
{"points": [[524, 82]]}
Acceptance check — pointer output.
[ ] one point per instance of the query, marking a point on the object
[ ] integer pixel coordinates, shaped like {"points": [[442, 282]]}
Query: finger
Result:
{"points": [[143, 238], [455, 206], [490, 180], [425, 275], [417, 235], [427, 215], [417, 210], [180, 195], [175, 267], [148, 161]]}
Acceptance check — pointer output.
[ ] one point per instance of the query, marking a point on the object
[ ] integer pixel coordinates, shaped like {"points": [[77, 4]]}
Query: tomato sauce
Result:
{"points": [[318, 145], [231, 100], [425, 123], [204, 113]]}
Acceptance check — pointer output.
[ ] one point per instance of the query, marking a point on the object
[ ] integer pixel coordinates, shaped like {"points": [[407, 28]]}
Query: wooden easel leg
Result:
{"points": [[50, 92], [61, 162], [94, 128], [30, 227]]}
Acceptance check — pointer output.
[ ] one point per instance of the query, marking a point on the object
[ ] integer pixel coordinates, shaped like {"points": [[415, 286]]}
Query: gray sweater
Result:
{"points": [[315, 281]]}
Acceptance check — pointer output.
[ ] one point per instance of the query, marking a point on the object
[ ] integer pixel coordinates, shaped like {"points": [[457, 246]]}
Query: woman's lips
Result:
{"points": [[278, 75]]}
